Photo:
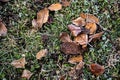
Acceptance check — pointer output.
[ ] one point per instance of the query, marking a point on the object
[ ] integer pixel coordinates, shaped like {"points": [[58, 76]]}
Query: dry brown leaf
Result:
{"points": [[80, 65], [92, 27], [97, 69], [75, 59], [89, 18], [82, 39], [74, 29], [3, 29], [41, 53], [55, 7], [79, 21], [42, 17], [70, 48], [95, 36], [26, 74], [65, 3], [62, 77], [20, 63], [64, 37]]}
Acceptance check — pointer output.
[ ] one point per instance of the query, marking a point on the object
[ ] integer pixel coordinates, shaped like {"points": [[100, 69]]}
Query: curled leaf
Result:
{"points": [[65, 3], [74, 29], [26, 74], [79, 21], [42, 17], [64, 37], [97, 69], [55, 7], [70, 48], [92, 27], [3, 29], [82, 39], [80, 65], [89, 18], [41, 53], [76, 59], [95, 36], [20, 63]]}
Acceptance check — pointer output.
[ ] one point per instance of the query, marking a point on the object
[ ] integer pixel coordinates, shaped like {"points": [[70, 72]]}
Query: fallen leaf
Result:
{"points": [[20, 63], [74, 29], [89, 18], [95, 36], [92, 27], [64, 37], [82, 39], [72, 72], [3, 29], [75, 59], [42, 17], [55, 7], [65, 3], [41, 53], [80, 65], [79, 21], [62, 77], [70, 48], [26, 74], [97, 69], [84, 46]]}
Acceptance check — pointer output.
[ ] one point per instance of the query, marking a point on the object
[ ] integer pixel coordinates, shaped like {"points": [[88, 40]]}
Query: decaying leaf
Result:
{"points": [[97, 69], [80, 65], [95, 36], [20, 63], [26, 74], [89, 18], [41, 53], [92, 27], [74, 29], [55, 7], [62, 77], [70, 48], [79, 21], [42, 17], [3, 29], [64, 37], [35, 24], [82, 39], [65, 3], [75, 59], [72, 72]]}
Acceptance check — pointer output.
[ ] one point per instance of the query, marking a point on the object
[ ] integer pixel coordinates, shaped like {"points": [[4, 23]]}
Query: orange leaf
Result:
{"points": [[55, 7], [41, 53], [20, 63], [65, 3], [95, 36], [80, 65], [89, 18], [3, 29], [74, 29], [97, 69], [42, 17], [26, 74], [82, 39], [92, 27], [76, 59], [79, 21], [64, 37], [70, 48]]}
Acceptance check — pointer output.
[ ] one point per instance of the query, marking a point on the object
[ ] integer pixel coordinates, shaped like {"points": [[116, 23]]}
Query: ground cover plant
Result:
{"points": [[36, 36]]}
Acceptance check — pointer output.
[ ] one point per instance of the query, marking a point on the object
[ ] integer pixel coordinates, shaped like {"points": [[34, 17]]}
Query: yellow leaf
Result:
{"points": [[55, 7], [76, 59], [41, 53], [92, 27], [82, 39], [20, 63], [3, 29], [26, 74], [79, 21]]}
